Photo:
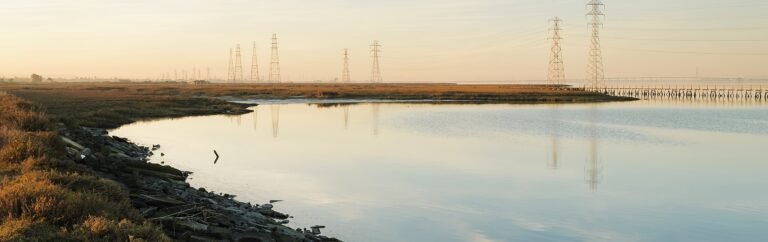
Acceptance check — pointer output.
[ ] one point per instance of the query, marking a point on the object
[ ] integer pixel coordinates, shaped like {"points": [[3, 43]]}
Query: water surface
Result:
{"points": [[638, 171]]}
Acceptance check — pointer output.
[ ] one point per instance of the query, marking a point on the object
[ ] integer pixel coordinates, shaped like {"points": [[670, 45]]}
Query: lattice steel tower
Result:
{"points": [[255, 66], [595, 73], [238, 64], [376, 71], [345, 72], [556, 74], [230, 67], [274, 66]]}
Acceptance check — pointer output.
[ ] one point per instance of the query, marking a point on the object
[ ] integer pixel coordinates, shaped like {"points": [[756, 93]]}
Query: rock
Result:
{"points": [[162, 201], [253, 237], [198, 238], [191, 225], [219, 232], [316, 229]]}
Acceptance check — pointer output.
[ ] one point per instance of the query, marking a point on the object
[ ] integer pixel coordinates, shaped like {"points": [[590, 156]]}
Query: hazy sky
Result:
{"points": [[423, 40]]}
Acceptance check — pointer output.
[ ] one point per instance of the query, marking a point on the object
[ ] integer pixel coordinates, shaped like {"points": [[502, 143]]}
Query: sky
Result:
{"points": [[422, 40]]}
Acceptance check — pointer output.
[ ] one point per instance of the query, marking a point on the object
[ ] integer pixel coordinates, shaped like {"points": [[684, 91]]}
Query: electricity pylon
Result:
{"points": [[556, 74], [595, 73], [255, 66], [345, 72], [274, 65], [376, 71], [238, 64], [230, 68]]}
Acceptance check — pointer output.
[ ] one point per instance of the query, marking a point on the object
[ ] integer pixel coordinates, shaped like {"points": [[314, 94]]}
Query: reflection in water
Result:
{"points": [[346, 116], [593, 172], [255, 116], [239, 120], [376, 111], [553, 130], [275, 120], [454, 170]]}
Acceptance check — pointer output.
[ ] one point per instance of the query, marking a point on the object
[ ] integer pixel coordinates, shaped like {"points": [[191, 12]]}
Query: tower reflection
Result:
{"points": [[346, 117], [554, 134], [275, 109], [376, 110], [592, 170], [255, 117]]}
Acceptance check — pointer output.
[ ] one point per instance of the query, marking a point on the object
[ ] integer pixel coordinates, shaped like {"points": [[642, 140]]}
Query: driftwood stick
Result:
{"points": [[171, 215]]}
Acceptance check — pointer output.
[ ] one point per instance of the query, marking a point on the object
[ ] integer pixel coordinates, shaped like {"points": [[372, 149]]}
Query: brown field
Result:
{"points": [[109, 105], [499, 93]]}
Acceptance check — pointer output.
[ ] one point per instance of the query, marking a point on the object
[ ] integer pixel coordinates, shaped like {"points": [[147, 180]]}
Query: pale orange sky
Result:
{"points": [[450, 40]]}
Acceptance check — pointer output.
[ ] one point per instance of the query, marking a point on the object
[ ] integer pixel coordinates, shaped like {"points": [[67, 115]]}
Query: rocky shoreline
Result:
{"points": [[163, 196]]}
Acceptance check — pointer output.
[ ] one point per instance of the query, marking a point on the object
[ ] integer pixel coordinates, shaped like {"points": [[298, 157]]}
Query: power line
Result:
{"points": [[691, 40], [688, 52]]}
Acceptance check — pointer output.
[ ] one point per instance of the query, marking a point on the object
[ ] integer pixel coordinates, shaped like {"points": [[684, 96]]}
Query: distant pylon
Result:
{"points": [[238, 64], [274, 65], [255, 65], [556, 74], [595, 73], [345, 72], [376, 70], [208, 73], [230, 67]]}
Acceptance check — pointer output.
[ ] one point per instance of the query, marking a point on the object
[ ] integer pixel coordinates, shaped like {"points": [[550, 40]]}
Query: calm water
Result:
{"points": [[637, 171]]}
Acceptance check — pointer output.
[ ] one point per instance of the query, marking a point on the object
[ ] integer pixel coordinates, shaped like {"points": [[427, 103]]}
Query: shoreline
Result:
{"points": [[163, 196]]}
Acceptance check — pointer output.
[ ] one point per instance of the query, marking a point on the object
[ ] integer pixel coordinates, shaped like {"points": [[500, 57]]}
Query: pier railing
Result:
{"points": [[684, 92]]}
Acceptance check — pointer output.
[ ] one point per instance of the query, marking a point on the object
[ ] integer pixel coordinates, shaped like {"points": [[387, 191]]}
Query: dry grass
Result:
{"points": [[43, 198], [109, 105], [319, 90]]}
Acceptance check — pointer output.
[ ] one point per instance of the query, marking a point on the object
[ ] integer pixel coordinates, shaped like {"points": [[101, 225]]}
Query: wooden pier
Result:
{"points": [[685, 92]]}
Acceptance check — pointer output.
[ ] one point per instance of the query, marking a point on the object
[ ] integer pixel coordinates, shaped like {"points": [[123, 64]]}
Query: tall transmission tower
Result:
{"points": [[238, 64], [274, 65], [345, 72], [255, 65], [556, 74], [376, 71], [230, 67], [595, 73]]}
